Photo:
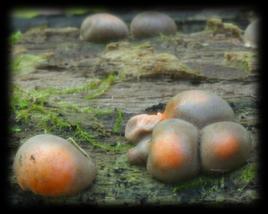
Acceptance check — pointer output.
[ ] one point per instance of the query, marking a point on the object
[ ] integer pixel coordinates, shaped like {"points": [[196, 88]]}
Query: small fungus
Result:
{"points": [[224, 146], [103, 27], [151, 23], [140, 125], [138, 155], [198, 107], [173, 153], [251, 34]]}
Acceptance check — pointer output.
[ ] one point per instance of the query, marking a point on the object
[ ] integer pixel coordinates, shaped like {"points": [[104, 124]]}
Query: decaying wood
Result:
{"points": [[73, 63]]}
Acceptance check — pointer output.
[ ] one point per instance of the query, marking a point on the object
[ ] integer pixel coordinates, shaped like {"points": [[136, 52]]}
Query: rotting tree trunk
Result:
{"points": [[72, 63]]}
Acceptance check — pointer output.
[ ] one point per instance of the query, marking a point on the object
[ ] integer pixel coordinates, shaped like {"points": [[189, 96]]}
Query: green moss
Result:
{"points": [[101, 87], [214, 24], [243, 60], [200, 181], [25, 13], [141, 60], [209, 184], [30, 107], [232, 30], [15, 37], [248, 173], [76, 11], [27, 63], [118, 124], [217, 26]]}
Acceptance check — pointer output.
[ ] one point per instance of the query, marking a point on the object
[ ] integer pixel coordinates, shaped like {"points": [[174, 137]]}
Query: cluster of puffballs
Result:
{"points": [[105, 27], [196, 133]]}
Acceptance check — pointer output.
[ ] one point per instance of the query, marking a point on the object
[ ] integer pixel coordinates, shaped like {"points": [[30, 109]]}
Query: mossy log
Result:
{"points": [[88, 91]]}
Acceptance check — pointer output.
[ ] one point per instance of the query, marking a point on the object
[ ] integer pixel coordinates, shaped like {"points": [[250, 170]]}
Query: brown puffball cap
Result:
{"points": [[251, 34], [173, 152], [103, 27], [224, 146], [49, 165], [199, 108], [140, 125], [138, 155], [152, 23]]}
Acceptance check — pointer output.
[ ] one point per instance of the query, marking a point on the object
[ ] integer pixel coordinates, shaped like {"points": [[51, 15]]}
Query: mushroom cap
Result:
{"points": [[173, 152], [224, 146], [251, 35], [138, 155], [140, 125], [103, 27], [199, 108], [51, 166], [152, 23]]}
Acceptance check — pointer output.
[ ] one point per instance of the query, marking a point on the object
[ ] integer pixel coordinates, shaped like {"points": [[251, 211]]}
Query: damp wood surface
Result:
{"points": [[138, 84]]}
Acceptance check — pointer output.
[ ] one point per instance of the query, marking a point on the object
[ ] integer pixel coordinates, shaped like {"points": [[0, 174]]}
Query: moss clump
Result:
{"points": [[118, 124], [236, 180], [32, 108], [27, 63], [101, 87], [141, 61], [217, 26], [247, 174], [15, 37], [201, 181], [25, 13], [76, 11], [243, 60], [214, 24]]}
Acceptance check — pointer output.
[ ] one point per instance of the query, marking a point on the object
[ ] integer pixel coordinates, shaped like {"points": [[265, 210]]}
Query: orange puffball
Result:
{"points": [[173, 153], [224, 146], [51, 166], [199, 108]]}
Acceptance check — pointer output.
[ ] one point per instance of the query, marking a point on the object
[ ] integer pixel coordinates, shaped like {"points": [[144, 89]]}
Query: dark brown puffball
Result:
{"points": [[151, 23], [140, 125], [103, 27], [173, 152], [199, 108], [251, 34], [224, 146], [138, 155]]}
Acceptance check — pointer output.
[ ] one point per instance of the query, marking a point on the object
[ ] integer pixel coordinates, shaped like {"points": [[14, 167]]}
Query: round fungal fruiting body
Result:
{"points": [[148, 24], [49, 165], [251, 34], [140, 125], [173, 153], [224, 146], [138, 155], [199, 108], [102, 28]]}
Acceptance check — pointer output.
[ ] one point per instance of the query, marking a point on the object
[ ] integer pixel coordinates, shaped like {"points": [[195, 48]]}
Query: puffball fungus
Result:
{"points": [[51, 166], [138, 155], [198, 107], [251, 34], [151, 23], [140, 125], [224, 146], [173, 153], [103, 27]]}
